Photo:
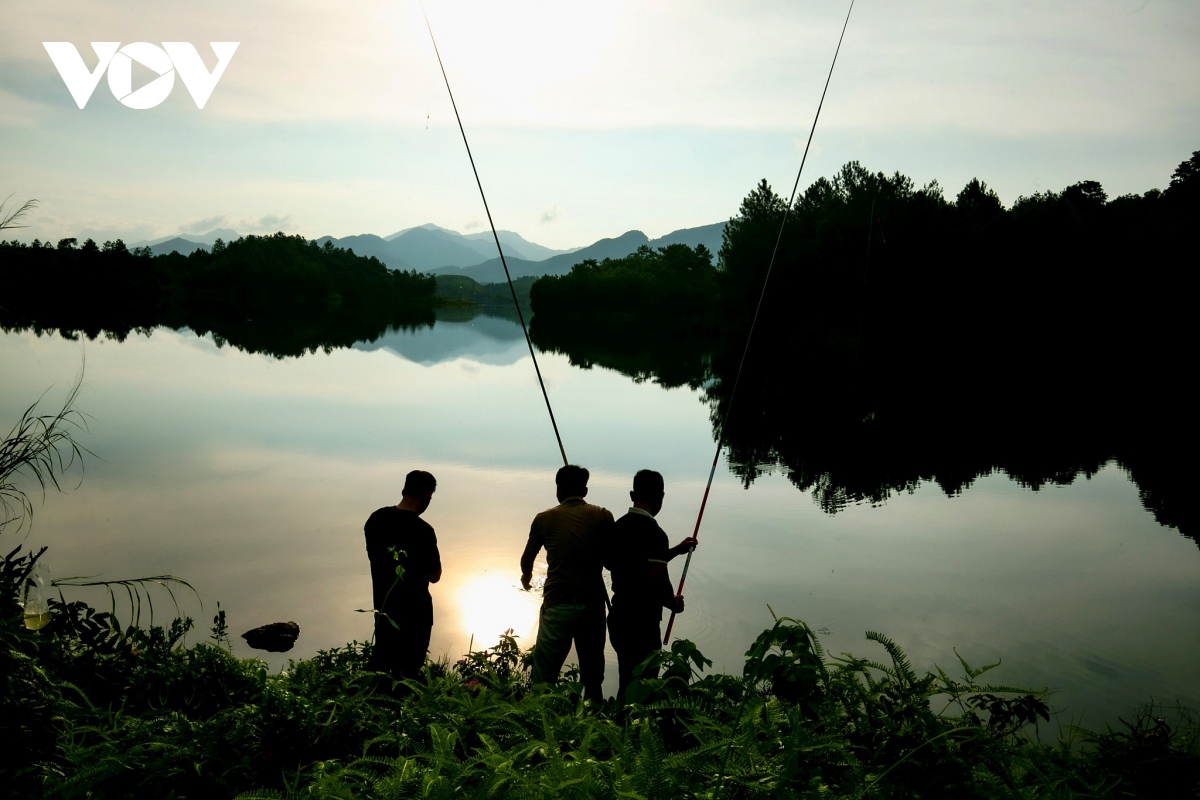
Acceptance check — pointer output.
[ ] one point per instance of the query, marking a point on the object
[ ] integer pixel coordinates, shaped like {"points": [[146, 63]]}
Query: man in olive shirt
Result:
{"points": [[573, 597], [636, 554], [398, 540]]}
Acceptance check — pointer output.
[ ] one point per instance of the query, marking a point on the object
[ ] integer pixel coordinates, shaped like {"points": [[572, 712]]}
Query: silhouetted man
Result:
{"points": [[636, 555], [404, 561], [573, 534]]}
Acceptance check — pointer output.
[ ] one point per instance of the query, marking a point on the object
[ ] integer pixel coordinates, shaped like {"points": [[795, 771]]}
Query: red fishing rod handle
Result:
{"points": [[692, 549]]}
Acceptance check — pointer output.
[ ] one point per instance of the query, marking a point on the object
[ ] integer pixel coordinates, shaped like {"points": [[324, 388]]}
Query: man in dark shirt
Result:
{"points": [[636, 554], [573, 534], [404, 561]]}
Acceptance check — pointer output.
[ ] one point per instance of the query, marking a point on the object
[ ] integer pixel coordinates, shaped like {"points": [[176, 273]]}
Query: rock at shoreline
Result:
{"points": [[278, 637]]}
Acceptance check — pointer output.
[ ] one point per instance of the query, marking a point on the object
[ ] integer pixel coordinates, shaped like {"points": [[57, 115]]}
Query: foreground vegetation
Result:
{"points": [[91, 709]]}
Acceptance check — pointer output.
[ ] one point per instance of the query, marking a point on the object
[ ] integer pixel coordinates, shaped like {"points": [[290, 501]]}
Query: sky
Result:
{"points": [[586, 119]]}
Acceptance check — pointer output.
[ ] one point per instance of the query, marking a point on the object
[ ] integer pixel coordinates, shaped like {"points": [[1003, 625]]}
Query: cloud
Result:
{"points": [[49, 227], [471, 225], [549, 215], [270, 223], [202, 225], [128, 232], [1029, 69]]}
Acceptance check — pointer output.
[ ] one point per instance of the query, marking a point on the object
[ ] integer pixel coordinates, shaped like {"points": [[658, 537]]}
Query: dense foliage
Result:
{"points": [[277, 294], [496, 298], [906, 338], [867, 259], [870, 263], [653, 310], [91, 709], [648, 287]]}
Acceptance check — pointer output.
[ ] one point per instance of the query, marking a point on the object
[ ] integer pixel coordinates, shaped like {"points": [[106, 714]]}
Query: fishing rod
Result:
{"points": [[753, 323], [508, 276]]}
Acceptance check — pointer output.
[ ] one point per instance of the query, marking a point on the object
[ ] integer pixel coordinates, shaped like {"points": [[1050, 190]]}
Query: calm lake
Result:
{"points": [[251, 478]]}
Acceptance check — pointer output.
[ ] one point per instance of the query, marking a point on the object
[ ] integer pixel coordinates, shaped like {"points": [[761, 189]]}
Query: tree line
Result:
{"points": [[868, 249], [278, 294]]}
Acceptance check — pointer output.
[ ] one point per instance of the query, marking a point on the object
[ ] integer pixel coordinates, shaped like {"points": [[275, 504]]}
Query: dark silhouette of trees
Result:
{"points": [[646, 314], [978, 205], [1185, 184], [277, 294], [671, 286]]}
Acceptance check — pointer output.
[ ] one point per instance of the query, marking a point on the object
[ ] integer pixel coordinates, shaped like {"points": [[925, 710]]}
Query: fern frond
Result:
{"points": [[972, 672], [899, 659]]}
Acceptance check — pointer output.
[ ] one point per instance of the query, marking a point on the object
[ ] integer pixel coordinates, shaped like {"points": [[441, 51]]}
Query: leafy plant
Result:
{"points": [[498, 665], [41, 447], [220, 630], [11, 217]]}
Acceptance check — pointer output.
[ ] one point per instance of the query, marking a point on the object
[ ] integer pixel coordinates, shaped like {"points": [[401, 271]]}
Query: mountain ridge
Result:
{"points": [[431, 249], [491, 271]]}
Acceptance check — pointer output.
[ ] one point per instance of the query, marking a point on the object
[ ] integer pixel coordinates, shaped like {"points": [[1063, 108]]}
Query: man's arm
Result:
{"points": [[658, 568], [670, 600], [435, 569], [435, 560], [608, 546], [536, 540], [681, 548]]}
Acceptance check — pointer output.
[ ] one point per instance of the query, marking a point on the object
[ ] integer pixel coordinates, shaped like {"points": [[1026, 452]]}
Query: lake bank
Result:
{"points": [[100, 712]]}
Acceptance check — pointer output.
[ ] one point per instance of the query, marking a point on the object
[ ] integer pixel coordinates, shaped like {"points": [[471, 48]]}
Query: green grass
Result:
{"points": [[94, 710]]}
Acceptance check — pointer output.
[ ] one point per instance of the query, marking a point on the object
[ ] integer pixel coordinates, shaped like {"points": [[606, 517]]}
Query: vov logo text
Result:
{"points": [[172, 57]]}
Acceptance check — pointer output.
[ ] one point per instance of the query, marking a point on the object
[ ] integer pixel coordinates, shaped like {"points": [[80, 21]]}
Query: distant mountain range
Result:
{"points": [[187, 243], [425, 248], [485, 244], [436, 250], [491, 271], [177, 244]]}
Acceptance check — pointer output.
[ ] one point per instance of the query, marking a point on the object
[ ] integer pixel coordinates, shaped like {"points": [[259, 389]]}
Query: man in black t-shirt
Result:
{"points": [[404, 561], [636, 555]]}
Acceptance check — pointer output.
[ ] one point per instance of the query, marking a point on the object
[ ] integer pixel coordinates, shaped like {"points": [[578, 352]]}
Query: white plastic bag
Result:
{"points": [[35, 597]]}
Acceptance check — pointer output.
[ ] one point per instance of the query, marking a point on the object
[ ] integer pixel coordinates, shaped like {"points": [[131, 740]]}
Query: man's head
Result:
{"points": [[419, 487], [571, 482], [647, 491]]}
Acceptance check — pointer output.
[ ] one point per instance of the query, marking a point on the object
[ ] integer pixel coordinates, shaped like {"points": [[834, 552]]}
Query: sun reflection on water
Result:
{"points": [[492, 603]]}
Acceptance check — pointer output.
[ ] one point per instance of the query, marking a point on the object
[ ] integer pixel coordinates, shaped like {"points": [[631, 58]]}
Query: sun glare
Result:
{"points": [[491, 604]]}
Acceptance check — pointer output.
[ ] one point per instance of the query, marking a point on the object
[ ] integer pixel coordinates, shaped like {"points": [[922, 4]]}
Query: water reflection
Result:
{"points": [[252, 476], [494, 603], [462, 333], [851, 434]]}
